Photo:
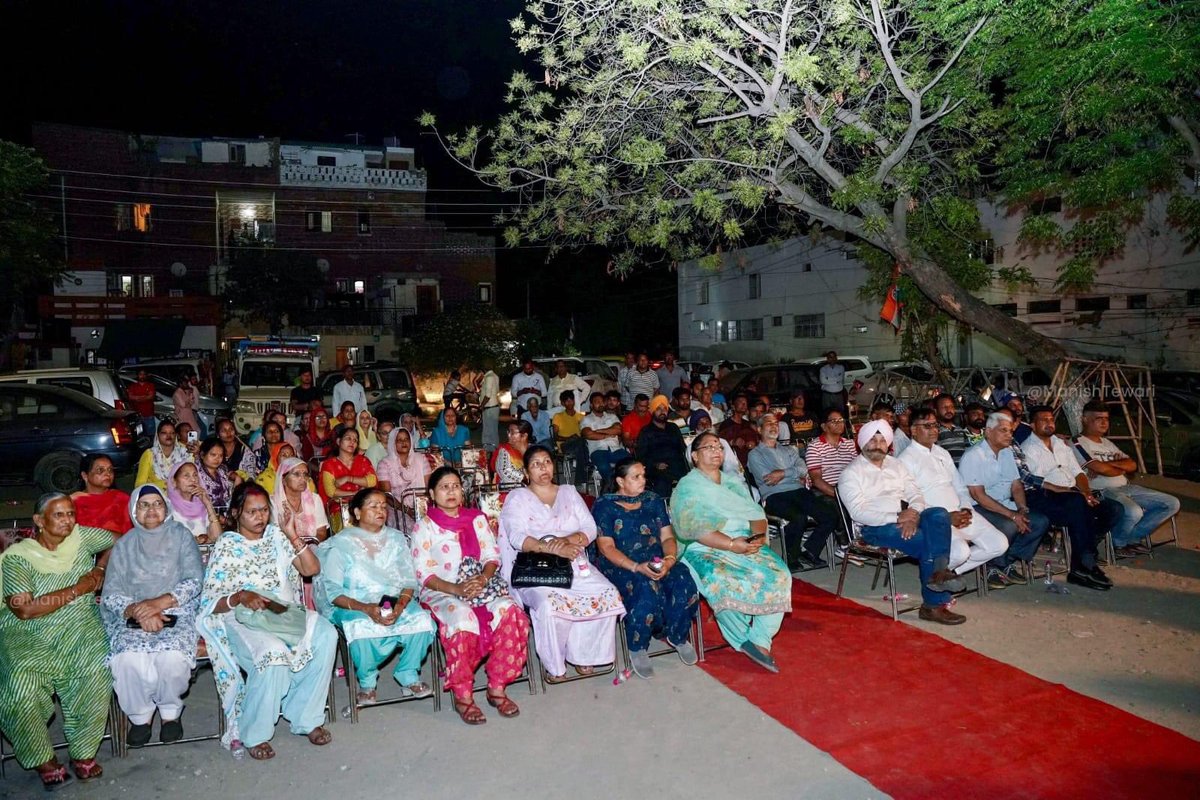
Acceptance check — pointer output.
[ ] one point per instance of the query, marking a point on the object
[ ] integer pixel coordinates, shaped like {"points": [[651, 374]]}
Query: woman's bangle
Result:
{"points": [[307, 545], [670, 558], [229, 599]]}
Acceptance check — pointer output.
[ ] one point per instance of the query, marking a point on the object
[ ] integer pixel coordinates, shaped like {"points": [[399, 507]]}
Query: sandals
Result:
{"points": [[556, 678], [261, 752], [87, 770], [504, 704], [54, 777], [469, 712], [366, 698], [418, 690], [320, 736]]}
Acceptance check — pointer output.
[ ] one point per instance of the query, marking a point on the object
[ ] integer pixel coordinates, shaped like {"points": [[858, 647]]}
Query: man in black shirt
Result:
{"points": [[305, 395], [660, 448]]}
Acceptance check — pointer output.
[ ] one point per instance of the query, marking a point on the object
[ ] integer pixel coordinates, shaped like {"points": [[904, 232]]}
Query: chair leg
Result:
{"points": [[830, 547], [891, 584], [1174, 531], [698, 629], [842, 575], [351, 677], [116, 720], [981, 587], [875, 580], [533, 665]]}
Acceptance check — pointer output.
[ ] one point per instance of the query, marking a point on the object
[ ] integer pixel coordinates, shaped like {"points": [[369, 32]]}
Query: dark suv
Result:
{"points": [[390, 388], [45, 430], [777, 381]]}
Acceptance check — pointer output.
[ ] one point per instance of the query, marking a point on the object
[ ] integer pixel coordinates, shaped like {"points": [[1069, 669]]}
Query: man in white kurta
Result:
{"points": [[973, 540]]}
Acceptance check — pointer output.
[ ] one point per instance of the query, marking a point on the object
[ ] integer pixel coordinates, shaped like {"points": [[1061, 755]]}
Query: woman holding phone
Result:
{"points": [[723, 533]]}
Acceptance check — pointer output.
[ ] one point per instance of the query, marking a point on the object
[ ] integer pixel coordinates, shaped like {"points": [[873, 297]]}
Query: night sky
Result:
{"points": [[304, 70]]}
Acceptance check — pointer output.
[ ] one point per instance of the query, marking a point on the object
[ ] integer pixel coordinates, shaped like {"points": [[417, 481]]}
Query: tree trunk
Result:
{"points": [[965, 307]]}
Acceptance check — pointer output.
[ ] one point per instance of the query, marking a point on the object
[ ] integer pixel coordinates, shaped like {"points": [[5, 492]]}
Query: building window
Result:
{"points": [[807, 267], [1050, 205], [755, 290], [1045, 306], [484, 292], [741, 330], [124, 220], [1137, 301], [360, 287], [237, 153], [1006, 308], [1091, 304], [809, 326], [321, 221], [702, 325], [141, 217], [703, 293], [984, 251], [326, 161], [776, 322], [1193, 297], [147, 286], [125, 286], [364, 222]]}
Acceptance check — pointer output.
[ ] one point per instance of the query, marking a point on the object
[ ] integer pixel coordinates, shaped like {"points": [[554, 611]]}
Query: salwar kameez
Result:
{"points": [[663, 608], [367, 566], [496, 630], [749, 593], [62, 653], [572, 625]]}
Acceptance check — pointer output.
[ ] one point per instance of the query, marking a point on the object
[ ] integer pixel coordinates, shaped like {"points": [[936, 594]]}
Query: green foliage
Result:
{"points": [[272, 285], [472, 336], [30, 254]]}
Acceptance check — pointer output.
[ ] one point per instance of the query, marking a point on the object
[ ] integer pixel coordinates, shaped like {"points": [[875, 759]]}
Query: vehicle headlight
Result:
{"points": [[245, 407]]}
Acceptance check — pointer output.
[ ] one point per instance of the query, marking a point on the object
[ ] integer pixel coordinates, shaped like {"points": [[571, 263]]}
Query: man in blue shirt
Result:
{"points": [[989, 469]]}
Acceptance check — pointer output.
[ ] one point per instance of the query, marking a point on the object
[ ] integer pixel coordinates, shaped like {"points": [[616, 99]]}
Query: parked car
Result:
{"points": [[858, 368], [598, 373], [389, 387], [93, 382], [45, 431], [779, 382], [209, 411]]}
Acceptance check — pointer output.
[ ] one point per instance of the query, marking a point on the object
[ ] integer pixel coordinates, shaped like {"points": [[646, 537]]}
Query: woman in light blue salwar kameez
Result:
{"points": [[723, 533], [363, 564]]}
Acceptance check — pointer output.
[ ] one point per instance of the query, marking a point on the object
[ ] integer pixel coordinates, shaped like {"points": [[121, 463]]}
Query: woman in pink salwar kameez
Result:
{"points": [[575, 625]]}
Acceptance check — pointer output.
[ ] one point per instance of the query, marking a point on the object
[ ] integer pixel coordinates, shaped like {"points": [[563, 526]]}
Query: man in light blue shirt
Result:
{"points": [[989, 469]]}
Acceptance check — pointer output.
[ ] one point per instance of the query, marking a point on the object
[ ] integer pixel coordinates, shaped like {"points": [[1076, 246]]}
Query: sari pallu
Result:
{"points": [[360, 467]]}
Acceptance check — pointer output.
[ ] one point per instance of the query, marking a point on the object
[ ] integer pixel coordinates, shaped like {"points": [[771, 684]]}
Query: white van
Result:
{"points": [[93, 382]]}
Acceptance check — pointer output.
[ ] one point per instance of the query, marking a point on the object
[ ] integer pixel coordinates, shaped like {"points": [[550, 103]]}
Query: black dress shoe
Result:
{"points": [[812, 562], [138, 735], [172, 731], [1099, 575], [1080, 578]]}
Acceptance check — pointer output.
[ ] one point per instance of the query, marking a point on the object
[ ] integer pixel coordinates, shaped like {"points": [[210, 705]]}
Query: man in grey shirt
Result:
{"points": [[780, 476], [833, 384], [641, 379], [671, 377]]}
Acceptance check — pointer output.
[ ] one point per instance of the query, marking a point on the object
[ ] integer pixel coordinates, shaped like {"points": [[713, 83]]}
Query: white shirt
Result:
{"points": [[349, 392], [833, 378], [872, 494], [1058, 466], [599, 422], [933, 470], [1088, 450], [522, 381], [490, 388], [571, 382]]}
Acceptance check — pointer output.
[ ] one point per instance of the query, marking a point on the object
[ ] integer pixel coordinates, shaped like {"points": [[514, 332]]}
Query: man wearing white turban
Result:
{"points": [[884, 501]]}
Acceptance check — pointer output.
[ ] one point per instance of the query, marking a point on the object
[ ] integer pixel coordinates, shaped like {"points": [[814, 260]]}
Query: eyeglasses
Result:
{"points": [[709, 447], [146, 505], [835, 421]]}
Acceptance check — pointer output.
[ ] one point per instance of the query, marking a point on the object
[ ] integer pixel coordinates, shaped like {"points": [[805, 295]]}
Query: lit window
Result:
{"points": [[141, 217], [360, 287], [147, 286], [127, 286], [321, 221], [809, 326], [485, 292], [364, 222]]}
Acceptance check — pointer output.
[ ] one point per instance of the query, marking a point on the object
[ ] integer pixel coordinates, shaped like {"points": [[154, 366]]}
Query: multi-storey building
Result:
{"points": [[150, 225], [799, 298]]}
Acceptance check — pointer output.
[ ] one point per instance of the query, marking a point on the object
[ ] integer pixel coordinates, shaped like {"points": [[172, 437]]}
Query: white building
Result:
{"points": [[797, 299]]}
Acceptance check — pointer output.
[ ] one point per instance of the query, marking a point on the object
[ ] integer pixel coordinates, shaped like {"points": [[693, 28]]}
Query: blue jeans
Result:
{"points": [[605, 459], [930, 545], [149, 425], [1145, 509]]}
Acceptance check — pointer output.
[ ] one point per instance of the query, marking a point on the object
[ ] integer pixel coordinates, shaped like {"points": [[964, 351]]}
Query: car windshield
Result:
{"points": [[272, 373], [550, 367]]}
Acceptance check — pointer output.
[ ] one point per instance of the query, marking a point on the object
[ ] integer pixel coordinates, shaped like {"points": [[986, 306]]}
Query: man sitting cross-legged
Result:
{"points": [[882, 497], [974, 541]]}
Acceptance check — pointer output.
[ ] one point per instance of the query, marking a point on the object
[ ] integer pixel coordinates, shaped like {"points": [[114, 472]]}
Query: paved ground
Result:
{"points": [[684, 735]]}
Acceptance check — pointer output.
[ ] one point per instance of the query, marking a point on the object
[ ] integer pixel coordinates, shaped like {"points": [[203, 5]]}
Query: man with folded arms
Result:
{"points": [[660, 449], [883, 499], [974, 541], [1061, 491]]}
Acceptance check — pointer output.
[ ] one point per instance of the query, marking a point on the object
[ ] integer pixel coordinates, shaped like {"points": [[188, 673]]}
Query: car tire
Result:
{"points": [[58, 472]]}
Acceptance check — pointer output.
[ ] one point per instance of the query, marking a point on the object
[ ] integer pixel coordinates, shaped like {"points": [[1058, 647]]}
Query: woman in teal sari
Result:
{"points": [[360, 567], [724, 536]]}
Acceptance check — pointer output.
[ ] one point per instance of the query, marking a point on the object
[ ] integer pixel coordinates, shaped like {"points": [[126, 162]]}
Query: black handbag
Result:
{"points": [[541, 569]]}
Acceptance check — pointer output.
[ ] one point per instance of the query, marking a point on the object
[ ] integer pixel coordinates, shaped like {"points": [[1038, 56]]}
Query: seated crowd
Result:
{"points": [[268, 549]]}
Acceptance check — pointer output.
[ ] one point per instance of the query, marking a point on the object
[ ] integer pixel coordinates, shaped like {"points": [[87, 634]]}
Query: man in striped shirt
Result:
{"points": [[830, 453], [951, 437], [641, 379]]}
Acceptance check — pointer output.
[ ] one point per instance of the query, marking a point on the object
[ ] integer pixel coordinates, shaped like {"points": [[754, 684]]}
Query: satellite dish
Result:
{"points": [[323, 264], [178, 269]]}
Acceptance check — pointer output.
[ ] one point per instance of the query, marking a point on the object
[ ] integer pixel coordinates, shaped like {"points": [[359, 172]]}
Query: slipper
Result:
{"points": [[87, 770], [760, 657], [469, 712], [418, 690], [586, 670], [320, 736], [504, 704], [366, 698], [556, 678], [54, 778], [261, 752]]}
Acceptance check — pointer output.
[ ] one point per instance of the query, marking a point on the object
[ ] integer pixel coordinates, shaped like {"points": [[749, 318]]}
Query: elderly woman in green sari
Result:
{"points": [[367, 587], [52, 642], [724, 535]]}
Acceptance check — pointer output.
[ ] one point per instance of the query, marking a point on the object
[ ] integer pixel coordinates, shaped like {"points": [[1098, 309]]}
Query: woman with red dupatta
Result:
{"points": [[317, 443], [99, 505], [456, 559]]}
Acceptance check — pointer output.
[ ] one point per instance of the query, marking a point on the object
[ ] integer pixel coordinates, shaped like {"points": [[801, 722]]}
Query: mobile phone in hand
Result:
{"points": [[391, 599], [754, 537], [169, 622]]}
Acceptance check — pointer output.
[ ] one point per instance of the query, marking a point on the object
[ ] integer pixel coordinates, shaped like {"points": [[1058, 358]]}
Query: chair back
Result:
{"points": [[852, 528]]}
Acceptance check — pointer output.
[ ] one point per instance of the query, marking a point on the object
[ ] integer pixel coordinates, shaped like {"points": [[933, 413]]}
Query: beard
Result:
{"points": [[874, 454]]}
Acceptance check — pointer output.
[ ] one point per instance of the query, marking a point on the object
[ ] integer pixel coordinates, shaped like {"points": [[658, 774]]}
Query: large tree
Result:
{"points": [[30, 251], [669, 126], [275, 286]]}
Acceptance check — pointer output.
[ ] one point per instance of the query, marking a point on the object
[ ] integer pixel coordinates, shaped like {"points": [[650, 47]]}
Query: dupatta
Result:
{"points": [[700, 505]]}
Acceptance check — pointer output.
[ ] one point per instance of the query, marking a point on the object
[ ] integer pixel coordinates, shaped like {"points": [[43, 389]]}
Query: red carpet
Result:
{"points": [[921, 717]]}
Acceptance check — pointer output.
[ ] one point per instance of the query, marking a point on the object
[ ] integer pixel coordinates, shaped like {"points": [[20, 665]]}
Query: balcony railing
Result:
{"points": [[85, 310], [351, 177]]}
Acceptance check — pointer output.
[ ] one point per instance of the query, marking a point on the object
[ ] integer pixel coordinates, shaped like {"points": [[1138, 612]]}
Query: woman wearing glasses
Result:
{"points": [[723, 533]]}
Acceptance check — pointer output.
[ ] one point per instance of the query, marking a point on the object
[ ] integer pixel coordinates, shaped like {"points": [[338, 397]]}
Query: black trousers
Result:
{"points": [[796, 506], [1085, 525]]}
